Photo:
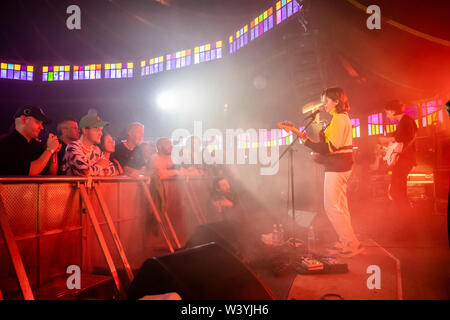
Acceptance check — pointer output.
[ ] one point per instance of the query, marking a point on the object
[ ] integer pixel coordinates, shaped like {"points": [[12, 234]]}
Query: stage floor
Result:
{"points": [[411, 250], [353, 285]]}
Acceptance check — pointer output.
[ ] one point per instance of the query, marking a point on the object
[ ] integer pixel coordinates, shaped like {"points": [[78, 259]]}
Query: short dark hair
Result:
{"points": [[61, 123], [160, 141], [395, 105], [337, 94]]}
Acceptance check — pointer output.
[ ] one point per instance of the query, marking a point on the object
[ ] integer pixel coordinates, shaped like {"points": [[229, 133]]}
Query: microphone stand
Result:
{"points": [[291, 176]]}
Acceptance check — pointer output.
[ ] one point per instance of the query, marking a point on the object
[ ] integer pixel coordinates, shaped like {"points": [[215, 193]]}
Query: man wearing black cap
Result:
{"points": [[21, 153], [83, 157]]}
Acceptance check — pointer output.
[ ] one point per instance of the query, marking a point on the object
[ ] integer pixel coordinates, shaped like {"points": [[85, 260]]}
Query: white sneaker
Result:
{"points": [[336, 248], [349, 252]]}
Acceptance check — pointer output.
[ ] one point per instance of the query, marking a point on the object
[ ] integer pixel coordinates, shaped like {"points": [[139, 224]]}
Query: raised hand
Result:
{"points": [[53, 144]]}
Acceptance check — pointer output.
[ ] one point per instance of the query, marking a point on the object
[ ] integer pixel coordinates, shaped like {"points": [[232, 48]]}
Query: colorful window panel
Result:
{"points": [[87, 72], [239, 40], [247, 140], [390, 126], [16, 71], [261, 24], [273, 139], [356, 128], [153, 66], [243, 141], [254, 142], [268, 138], [301, 130], [119, 70], [217, 144], [178, 60], [432, 112], [208, 52], [413, 112], [375, 124], [55, 73], [263, 138], [285, 9], [284, 138]]}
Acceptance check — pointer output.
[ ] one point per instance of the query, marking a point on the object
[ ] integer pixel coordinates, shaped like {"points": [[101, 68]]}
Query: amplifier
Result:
{"points": [[420, 186]]}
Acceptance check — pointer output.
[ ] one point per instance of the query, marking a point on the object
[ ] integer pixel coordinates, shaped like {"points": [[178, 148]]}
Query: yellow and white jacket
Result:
{"points": [[337, 150]]}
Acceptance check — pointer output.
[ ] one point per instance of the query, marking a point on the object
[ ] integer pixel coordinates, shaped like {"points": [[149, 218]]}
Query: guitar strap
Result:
{"points": [[350, 147], [411, 142]]}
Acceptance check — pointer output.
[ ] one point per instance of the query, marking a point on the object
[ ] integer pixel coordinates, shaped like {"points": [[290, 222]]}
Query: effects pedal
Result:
{"points": [[318, 264], [333, 265], [312, 264]]}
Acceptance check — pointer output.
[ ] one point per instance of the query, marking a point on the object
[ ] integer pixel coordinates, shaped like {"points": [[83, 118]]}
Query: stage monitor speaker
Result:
{"points": [[239, 239], [207, 272], [224, 233]]}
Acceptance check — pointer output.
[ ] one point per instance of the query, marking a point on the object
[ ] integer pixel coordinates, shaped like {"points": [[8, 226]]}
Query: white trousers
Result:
{"points": [[336, 206]]}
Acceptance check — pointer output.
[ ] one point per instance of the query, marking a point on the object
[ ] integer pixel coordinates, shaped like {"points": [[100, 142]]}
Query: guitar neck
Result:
{"points": [[297, 132], [288, 127]]}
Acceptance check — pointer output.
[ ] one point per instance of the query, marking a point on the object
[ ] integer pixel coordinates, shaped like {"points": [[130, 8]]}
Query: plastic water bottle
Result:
{"points": [[281, 233], [311, 239], [275, 235]]}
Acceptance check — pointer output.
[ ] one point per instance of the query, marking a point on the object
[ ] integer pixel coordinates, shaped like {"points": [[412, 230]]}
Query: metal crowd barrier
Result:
{"points": [[50, 223]]}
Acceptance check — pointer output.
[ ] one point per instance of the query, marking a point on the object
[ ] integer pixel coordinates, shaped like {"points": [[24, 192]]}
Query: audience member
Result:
{"points": [[108, 146], [148, 150], [128, 154], [163, 165], [83, 157], [22, 153], [224, 201], [68, 132]]}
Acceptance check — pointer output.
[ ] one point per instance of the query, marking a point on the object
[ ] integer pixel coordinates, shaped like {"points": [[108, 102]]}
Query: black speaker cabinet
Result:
{"points": [[206, 272]]}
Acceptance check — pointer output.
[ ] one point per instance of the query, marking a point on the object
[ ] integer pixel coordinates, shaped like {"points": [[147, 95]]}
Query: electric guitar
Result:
{"points": [[289, 127], [393, 152]]}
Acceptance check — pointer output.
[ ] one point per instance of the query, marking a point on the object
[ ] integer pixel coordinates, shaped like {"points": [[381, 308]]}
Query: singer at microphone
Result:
{"points": [[315, 127]]}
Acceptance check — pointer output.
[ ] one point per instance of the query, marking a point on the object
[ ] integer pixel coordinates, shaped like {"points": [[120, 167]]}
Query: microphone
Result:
{"points": [[314, 113]]}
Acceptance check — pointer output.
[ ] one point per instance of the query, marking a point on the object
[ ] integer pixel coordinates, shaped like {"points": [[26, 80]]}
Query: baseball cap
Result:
{"points": [[34, 112], [92, 121]]}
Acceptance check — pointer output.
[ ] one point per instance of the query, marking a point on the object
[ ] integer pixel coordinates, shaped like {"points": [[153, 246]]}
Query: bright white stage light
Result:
{"points": [[180, 100], [167, 101]]}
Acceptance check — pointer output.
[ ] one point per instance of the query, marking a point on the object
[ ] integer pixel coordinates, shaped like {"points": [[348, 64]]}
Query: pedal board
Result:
{"points": [[317, 264]]}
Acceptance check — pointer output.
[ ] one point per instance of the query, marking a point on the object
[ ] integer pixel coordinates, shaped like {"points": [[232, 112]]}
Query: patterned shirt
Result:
{"points": [[82, 161]]}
